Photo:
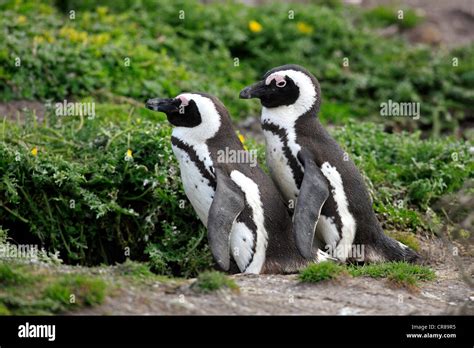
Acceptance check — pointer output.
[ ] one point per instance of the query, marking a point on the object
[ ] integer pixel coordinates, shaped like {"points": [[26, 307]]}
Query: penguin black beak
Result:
{"points": [[163, 104], [256, 90]]}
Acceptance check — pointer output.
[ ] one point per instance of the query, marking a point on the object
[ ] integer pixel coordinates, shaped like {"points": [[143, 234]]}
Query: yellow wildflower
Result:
{"points": [[34, 151], [49, 37], [73, 35], [129, 153], [242, 140], [38, 39], [21, 19], [102, 10], [304, 28], [255, 26], [100, 39]]}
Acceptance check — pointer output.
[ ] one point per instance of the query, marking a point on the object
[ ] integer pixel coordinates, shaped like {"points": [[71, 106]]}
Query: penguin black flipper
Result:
{"points": [[228, 203], [313, 193]]}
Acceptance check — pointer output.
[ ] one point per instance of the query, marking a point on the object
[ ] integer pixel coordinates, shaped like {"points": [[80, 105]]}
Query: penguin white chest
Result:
{"points": [[279, 166], [197, 188]]}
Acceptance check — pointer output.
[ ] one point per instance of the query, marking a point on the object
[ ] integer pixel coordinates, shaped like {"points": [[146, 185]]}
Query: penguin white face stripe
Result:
{"points": [[252, 196], [197, 136], [347, 220]]}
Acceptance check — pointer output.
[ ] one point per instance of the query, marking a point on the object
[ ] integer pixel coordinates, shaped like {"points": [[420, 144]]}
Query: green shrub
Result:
{"points": [[385, 16], [83, 196], [317, 272], [211, 281], [62, 58], [405, 174]]}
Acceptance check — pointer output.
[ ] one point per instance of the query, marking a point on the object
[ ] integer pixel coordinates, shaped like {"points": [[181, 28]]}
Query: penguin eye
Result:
{"points": [[281, 83]]}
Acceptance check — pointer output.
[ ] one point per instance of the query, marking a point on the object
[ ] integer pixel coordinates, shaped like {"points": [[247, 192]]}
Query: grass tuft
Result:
{"points": [[31, 290], [77, 290], [317, 272], [11, 276], [408, 239], [135, 269], [400, 273], [212, 281]]}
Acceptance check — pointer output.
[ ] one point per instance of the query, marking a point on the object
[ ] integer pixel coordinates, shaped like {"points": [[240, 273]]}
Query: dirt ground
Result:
{"points": [[284, 295]]}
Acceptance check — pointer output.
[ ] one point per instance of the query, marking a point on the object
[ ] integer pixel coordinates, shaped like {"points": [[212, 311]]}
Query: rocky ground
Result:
{"points": [[452, 293]]}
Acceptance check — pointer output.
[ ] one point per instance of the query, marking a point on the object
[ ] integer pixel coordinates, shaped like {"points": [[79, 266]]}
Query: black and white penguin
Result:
{"points": [[333, 209], [239, 204]]}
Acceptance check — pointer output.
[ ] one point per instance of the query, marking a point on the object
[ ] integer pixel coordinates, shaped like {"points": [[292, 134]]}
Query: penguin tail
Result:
{"points": [[388, 249]]}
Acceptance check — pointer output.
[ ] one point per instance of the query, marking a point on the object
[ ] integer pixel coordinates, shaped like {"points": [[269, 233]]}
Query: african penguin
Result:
{"points": [[333, 210], [241, 207]]}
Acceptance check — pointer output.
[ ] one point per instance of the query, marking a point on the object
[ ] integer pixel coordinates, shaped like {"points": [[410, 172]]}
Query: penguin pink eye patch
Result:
{"points": [[184, 100], [280, 80]]}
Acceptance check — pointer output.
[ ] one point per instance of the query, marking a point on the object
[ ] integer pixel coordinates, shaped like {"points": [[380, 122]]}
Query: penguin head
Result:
{"points": [[198, 115], [286, 87], [180, 111]]}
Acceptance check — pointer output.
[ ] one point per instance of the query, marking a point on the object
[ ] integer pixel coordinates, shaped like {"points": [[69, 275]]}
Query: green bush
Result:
{"points": [[385, 16], [61, 57], [405, 174], [81, 194]]}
